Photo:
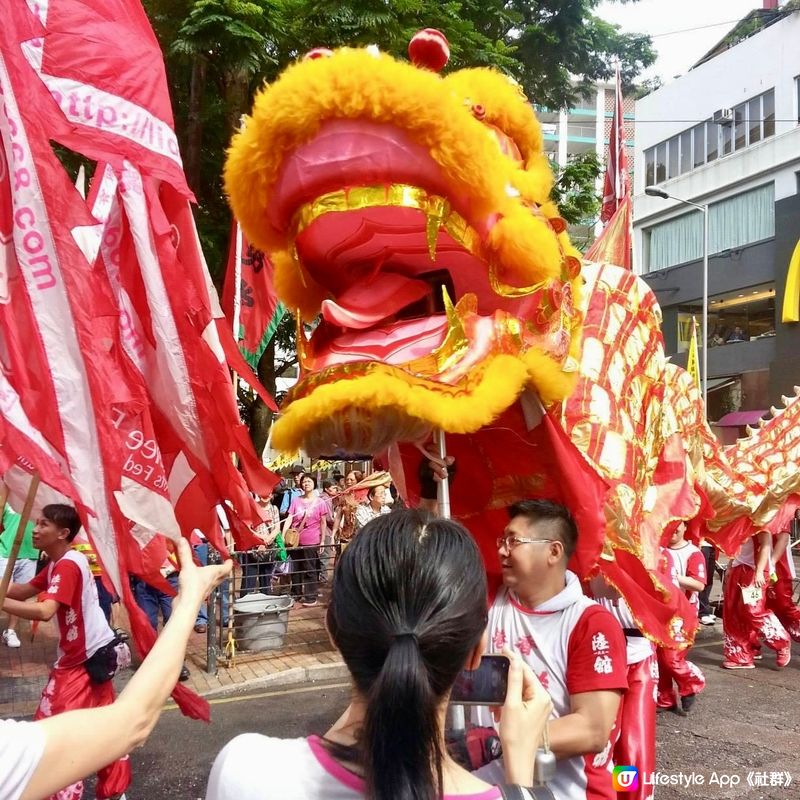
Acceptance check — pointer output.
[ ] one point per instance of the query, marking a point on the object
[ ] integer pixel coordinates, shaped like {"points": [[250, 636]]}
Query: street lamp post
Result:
{"points": [[652, 191]]}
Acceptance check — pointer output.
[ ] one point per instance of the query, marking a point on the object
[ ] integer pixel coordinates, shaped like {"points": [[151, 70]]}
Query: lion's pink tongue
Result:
{"points": [[366, 304]]}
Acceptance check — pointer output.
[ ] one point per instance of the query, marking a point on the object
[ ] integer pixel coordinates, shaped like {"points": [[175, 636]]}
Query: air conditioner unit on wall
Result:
{"points": [[723, 117]]}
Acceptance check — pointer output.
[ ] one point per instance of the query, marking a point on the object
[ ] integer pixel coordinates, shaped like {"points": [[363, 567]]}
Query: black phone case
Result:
{"points": [[485, 686]]}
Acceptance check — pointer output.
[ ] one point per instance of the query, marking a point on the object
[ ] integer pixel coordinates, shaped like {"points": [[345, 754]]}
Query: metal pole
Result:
{"points": [[704, 209], [212, 636], [705, 310], [444, 484], [457, 713]]}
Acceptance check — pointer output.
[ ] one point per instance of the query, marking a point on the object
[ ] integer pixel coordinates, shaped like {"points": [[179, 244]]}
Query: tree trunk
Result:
{"points": [[194, 125], [261, 417], [237, 96]]}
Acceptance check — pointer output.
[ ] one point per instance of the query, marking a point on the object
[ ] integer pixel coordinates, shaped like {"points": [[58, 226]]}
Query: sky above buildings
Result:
{"points": [[682, 30]]}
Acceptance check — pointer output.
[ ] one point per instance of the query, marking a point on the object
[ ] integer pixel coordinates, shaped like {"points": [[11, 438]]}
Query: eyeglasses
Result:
{"points": [[510, 542]]}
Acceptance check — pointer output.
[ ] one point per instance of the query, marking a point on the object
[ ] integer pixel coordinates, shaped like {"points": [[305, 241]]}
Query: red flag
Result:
{"points": [[218, 412], [168, 334], [102, 65], [613, 245], [75, 332], [25, 451], [616, 186], [248, 297], [120, 365], [60, 330]]}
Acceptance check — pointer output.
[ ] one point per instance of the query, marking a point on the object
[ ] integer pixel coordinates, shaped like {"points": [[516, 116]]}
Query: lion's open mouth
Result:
{"points": [[385, 299], [392, 318], [382, 237]]}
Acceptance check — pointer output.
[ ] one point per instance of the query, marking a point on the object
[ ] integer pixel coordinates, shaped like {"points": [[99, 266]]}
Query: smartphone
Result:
{"points": [[485, 686]]}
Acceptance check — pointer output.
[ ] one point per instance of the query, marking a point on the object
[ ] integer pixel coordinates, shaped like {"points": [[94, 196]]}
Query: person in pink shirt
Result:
{"points": [[308, 513]]}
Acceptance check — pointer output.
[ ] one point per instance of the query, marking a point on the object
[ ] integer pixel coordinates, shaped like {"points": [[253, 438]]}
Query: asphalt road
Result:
{"points": [[743, 722]]}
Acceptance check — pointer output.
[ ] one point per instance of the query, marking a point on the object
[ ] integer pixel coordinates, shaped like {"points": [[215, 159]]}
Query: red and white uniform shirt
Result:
{"points": [[746, 554], [82, 627], [573, 645], [688, 561], [638, 647]]}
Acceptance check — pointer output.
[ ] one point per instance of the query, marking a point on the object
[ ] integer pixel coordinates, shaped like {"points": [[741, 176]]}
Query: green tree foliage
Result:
{"points": [[647, 87], [574, 189], [219, 51]]}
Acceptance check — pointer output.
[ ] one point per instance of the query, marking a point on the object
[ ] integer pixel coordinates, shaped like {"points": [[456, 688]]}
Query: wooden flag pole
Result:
{"points": [[3, 495], [23, 522]]}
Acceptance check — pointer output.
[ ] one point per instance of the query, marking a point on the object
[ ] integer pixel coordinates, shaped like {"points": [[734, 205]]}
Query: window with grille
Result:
{"points": [[752, 122]]}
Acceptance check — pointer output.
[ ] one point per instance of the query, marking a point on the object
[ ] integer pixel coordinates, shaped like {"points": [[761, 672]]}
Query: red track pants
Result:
{"points": [[674, 666], [70, 689], [636, 745], [745, 624], [779, 601]]}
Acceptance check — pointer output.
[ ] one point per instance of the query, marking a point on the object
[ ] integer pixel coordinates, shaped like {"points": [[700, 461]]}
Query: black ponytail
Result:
{"points": [[408, 606], [401, 740]]}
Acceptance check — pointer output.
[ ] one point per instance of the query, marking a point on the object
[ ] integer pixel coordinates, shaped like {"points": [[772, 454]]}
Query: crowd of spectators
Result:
{"points": [[725, 334]]}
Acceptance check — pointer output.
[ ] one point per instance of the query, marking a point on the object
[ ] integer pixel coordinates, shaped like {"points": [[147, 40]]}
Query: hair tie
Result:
{"points": [[406, 635]]}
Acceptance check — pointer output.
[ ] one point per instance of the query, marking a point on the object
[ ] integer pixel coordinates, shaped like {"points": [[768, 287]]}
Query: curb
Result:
{"points": [[315, 673]]}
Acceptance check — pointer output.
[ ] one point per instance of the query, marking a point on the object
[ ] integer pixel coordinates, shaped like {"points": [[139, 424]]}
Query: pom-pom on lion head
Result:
{"points": [[408, 218]]}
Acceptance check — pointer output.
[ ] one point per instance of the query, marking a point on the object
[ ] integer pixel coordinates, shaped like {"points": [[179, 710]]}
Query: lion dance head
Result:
{"points": [[409, 221]]}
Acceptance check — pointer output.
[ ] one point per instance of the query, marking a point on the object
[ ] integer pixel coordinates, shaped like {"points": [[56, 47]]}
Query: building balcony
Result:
{"points": [[735, 358]]}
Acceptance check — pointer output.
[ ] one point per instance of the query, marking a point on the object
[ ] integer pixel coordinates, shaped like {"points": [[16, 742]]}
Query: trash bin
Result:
{"points": [[261, 621]]}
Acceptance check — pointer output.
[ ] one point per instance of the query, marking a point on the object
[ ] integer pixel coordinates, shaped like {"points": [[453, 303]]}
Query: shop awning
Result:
{"points": [[738, 419]]}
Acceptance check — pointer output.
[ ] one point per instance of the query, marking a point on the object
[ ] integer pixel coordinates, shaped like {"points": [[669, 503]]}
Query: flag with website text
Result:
{"points": [[116, 384]]}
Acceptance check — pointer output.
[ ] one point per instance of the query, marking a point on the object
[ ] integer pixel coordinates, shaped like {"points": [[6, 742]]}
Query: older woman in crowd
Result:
{"points": [[308, 514], [374, 506], [344, 520]]}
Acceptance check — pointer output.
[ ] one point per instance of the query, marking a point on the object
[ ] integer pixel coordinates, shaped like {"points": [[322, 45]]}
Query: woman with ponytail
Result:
{"points": [[407, 613]]}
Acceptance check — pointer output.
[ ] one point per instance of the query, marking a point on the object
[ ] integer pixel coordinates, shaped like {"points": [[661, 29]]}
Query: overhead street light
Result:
{"points": [[653, 191]]}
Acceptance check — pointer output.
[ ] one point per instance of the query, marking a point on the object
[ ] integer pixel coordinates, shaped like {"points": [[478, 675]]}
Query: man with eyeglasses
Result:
{"points": [[574, 645]]}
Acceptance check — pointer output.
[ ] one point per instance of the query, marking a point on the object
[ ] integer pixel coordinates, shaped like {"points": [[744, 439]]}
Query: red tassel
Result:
{"points": [[429, 49], [191, 704]]}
